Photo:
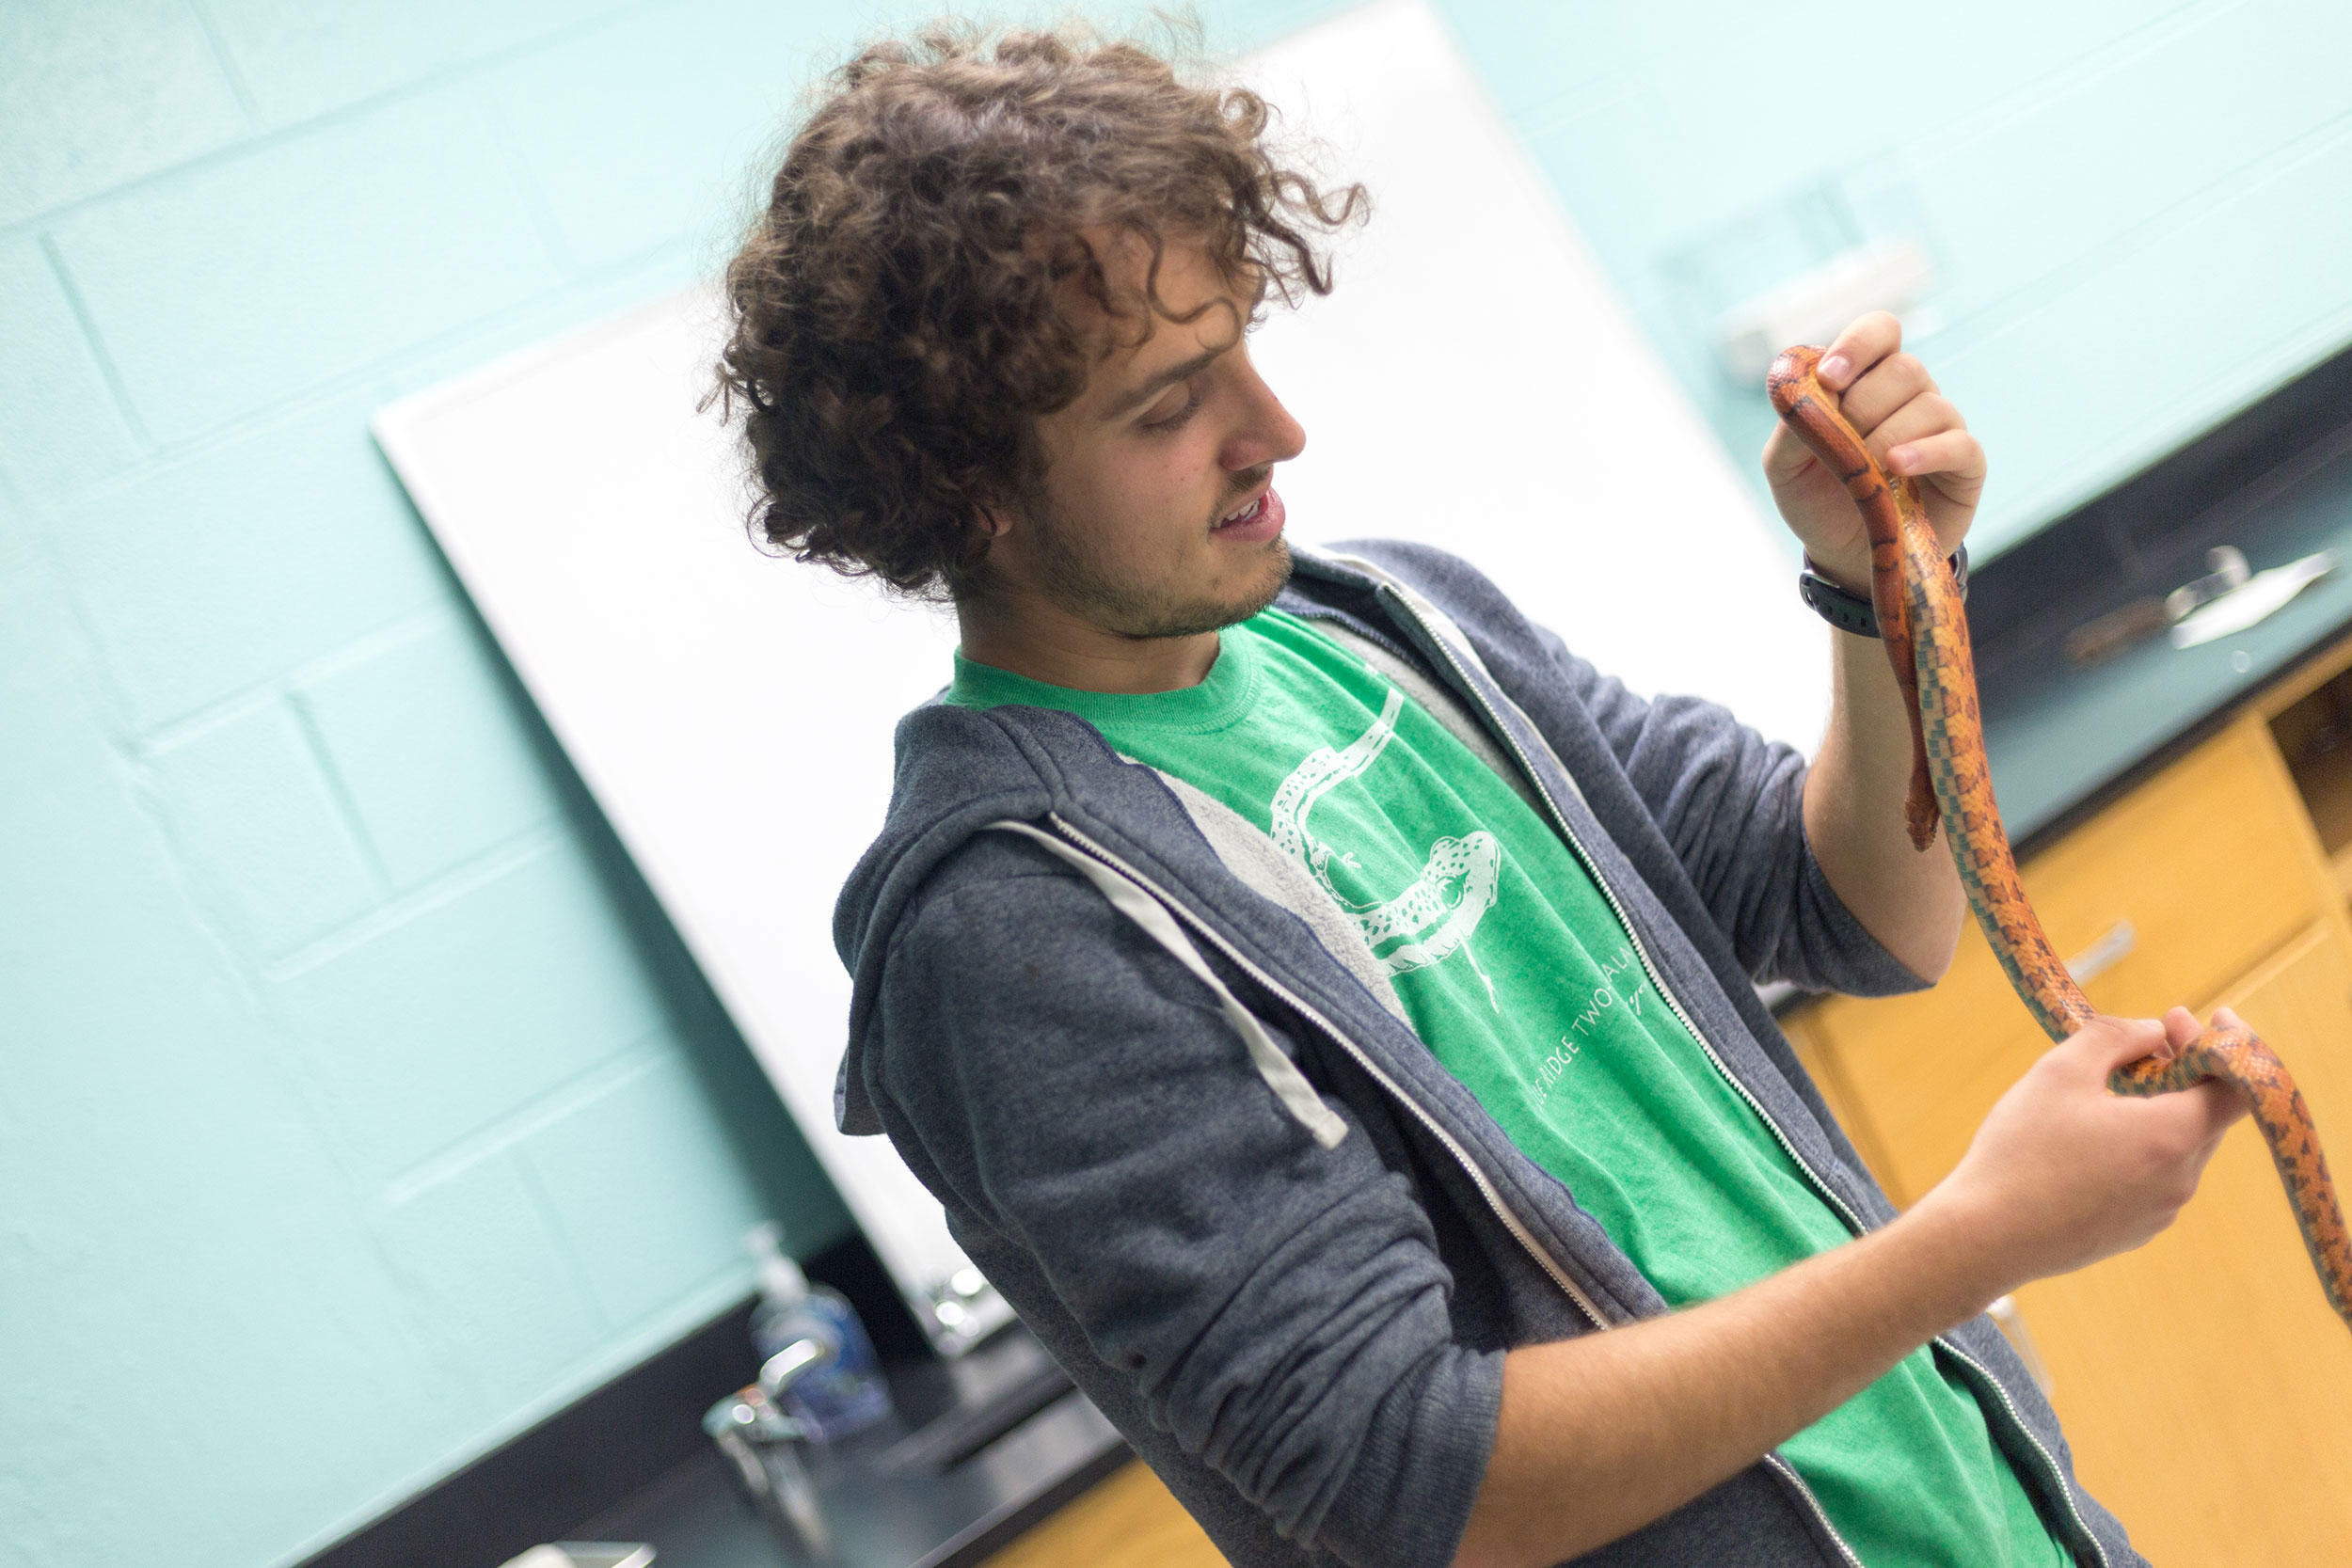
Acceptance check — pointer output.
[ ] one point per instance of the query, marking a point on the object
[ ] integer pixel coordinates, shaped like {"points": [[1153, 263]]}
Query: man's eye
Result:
{"points": [[1170, 412]]}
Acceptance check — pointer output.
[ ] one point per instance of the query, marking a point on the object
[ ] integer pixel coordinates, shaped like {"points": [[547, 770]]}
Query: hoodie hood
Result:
{"points": [[959, 769]]}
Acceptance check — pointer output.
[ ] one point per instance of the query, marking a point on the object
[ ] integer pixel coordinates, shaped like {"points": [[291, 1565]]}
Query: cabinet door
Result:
{"points": [[2169, 893], [1128, 1520], [2203, 1382]]}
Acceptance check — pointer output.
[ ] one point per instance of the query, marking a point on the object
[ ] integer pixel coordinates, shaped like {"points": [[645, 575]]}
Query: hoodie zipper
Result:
{"points": [[1853, 1222], [1395, 1091], [1511, 1221]]}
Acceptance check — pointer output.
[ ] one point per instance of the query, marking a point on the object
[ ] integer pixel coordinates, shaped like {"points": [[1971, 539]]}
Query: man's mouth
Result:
{"points": [[1246, 511]]}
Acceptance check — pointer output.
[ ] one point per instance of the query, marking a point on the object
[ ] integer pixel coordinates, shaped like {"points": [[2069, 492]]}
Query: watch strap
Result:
{"points": [[1850, 611]]}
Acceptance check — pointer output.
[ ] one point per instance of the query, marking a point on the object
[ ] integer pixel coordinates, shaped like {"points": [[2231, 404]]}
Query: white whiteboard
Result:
{"points": [[732, 713], [1475, 383]]}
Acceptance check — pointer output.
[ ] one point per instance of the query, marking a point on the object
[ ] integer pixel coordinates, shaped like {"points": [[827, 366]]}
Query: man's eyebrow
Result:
{"points": [[1167, 378]]}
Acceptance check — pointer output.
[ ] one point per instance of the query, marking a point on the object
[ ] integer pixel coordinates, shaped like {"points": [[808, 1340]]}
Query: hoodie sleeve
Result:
{"points": [[1278, 1307], [1732, 804]]}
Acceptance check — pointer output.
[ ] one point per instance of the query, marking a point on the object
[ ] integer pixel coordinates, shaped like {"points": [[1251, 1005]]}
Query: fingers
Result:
{"points": [[1925, 412], [2192, 1121], [1877, 385], [1891, 384], [1911, 430], [2106, 1043], [1892, 402], [1865, 342], [2180, 1028], [2218, 1105], [1951, 458], [2201, 1114]]}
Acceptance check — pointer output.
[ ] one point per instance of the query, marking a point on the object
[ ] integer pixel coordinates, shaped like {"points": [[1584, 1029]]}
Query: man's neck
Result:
{"points": [[1045, 643]]}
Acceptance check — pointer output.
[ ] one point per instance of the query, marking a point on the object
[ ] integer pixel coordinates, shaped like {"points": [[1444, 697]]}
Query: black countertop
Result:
{"points": [[695, 1516], [2063, 739]]}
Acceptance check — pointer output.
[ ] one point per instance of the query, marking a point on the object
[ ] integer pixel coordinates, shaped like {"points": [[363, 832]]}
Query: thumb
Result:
{"points": [[1786, 456], [2108, 1043], [2181, 1030]]}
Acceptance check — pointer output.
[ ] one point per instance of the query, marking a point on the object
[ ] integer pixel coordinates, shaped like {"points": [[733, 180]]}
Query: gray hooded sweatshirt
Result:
{"points": [[1177, 1118]]}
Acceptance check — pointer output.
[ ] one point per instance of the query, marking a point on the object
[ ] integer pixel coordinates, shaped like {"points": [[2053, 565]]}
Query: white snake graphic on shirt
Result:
{"points": [[1436, 914]]}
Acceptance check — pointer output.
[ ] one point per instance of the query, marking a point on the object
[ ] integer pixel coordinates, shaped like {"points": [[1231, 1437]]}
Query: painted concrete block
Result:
{"points": [[428, 738], [647, 1191], [1911, 68], [2009, 213], [1582, 154], [92, 96], [1662, 124], [260, 825], [1708, 173], [467, 1011], [1235, 27], [665, 123], [60, 424], [243, 282], [478, 1264], [299, 59], [1743, 258], [2161, 340], [1541, 61], [82, 854], [155, 1170], [1707, 146], [219, 571], [20, 540], [655, 126]]}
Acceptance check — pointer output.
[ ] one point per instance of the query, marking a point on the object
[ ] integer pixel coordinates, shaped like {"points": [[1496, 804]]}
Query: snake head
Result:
{"points": [[1791, 376], [1814, 415]]}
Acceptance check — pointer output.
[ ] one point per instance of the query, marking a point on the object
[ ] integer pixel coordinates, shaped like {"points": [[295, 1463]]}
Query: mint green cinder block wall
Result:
{"points": [[356, 1106], [2138, 210]]}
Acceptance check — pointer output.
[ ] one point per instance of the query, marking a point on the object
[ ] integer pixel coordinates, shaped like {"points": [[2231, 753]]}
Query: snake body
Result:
{"points": [[1925, 629]]}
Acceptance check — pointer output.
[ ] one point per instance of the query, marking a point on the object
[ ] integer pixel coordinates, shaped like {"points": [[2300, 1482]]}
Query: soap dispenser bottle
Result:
{"points": [[828, 1394]]}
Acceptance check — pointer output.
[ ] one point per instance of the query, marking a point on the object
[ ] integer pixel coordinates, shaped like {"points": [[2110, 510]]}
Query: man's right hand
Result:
{"points": [[2064, 1172], [1600, 1435]]}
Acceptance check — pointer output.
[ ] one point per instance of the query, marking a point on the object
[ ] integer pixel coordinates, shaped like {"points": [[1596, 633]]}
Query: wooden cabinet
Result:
{"points": [[1126, 1521], [2170, 895], [2204, 1380], [2204, 1384]]}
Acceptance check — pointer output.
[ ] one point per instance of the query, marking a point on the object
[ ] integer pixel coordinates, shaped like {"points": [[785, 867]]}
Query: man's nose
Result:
{"points": [[1266, 433]]}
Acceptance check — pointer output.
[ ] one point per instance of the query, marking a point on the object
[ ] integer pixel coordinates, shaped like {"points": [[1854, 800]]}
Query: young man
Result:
{"points": [[1324, 1003]]}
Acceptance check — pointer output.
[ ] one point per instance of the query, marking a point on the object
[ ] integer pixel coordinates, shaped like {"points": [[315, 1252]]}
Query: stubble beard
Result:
{"points": [[1078, 575]]}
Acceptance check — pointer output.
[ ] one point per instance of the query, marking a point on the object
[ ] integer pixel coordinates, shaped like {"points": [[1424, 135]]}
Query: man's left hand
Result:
{"points": [[1909, 427]]}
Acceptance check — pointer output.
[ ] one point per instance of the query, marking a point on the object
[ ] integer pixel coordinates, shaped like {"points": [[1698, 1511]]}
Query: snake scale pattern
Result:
{"points": [[1926, 632]]}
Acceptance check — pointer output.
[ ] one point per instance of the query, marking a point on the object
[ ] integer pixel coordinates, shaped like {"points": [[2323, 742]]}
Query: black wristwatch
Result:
{"points": [[1851, 611]]}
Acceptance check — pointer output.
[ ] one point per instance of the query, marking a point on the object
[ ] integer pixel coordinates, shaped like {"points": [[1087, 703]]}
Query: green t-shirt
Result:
{"points": [[1515, 969]]}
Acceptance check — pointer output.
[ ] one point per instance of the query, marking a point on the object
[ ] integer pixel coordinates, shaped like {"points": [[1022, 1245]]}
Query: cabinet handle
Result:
{"points": [[2105, 954], [2011, 1322]]}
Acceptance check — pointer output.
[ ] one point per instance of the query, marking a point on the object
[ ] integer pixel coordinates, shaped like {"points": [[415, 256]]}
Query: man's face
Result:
{"points": [[1157, 516]]}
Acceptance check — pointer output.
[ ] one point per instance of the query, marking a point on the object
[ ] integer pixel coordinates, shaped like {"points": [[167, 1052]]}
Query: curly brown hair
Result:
{"points": [[896, 312]]}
